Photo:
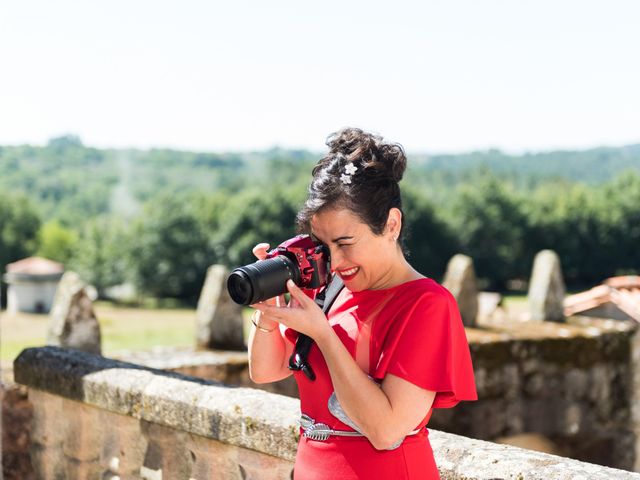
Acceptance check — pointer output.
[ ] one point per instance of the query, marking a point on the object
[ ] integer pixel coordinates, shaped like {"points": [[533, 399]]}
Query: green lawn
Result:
{"points": [[122, 328]]}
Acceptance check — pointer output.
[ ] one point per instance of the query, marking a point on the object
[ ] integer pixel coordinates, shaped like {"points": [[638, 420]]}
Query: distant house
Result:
{"points": [[617, 297], [32, 284]]}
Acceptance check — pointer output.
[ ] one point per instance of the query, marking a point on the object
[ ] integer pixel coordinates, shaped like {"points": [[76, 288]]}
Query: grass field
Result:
{"points": [[122, 328], [127, 328]]}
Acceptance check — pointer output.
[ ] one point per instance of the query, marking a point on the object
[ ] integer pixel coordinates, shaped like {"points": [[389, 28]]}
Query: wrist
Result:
{"points": [[263, 324], [324, 337]]}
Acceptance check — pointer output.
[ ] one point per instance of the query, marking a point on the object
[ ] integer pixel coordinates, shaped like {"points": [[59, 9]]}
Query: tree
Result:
{"points": [[100, 255], [170, 250], [57, 242], [491, 225], [19, 226], [430, 243]]}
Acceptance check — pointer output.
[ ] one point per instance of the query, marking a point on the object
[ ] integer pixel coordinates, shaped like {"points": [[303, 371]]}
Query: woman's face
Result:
{"points": [[361, 258]]}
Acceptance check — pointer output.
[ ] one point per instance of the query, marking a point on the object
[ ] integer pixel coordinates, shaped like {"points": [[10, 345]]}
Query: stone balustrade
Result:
{"points": [[105, 419]]}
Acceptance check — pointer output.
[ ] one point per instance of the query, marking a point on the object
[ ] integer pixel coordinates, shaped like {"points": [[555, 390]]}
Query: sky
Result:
{"points": [[436, 76]]}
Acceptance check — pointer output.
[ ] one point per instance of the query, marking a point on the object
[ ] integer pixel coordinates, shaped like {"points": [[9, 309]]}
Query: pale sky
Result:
{"points": [[435, 76]]}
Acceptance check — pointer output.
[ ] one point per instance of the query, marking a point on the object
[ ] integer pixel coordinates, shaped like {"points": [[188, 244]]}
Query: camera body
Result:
{"points": [[299, 259]]}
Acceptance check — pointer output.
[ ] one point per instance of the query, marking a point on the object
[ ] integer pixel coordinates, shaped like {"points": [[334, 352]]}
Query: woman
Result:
{"points": [[392, 346]]}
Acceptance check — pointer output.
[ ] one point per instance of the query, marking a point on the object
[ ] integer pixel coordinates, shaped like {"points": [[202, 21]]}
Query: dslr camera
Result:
{"points": [[299, 259]]}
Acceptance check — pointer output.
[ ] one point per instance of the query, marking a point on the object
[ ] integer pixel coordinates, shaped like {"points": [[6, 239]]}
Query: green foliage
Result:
{"points": [[170, 249], [57, 242], [252, 217], [490, 224], [430, 242], [19, 226], [101, 254], [203, 208]]}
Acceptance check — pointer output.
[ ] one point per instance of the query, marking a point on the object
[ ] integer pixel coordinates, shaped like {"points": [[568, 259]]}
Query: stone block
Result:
{"points": [[82, 433], [48, 423], [546, 288], [72, 322], [218, 318], [460, 280]]}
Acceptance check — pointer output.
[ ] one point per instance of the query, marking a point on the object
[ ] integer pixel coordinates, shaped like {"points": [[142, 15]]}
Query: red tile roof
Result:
{"points": [[623, 292], [35, 266]]}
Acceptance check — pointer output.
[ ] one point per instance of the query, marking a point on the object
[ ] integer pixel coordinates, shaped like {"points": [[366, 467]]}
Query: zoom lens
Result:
{"points": [[262, 280]]}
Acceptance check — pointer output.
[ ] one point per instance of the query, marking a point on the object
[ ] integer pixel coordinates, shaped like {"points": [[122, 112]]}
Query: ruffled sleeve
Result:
{"points": [[425, 344]]}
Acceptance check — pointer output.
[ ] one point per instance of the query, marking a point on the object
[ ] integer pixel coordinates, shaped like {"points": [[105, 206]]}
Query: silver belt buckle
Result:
{"points": [[313, 430]]}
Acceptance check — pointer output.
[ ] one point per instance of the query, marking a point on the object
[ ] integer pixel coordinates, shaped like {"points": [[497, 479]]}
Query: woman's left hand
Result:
{"points": [[302, 314]]}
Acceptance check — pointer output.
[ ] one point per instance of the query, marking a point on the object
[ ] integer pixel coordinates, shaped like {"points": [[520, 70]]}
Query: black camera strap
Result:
{"points": [[324, 299]]}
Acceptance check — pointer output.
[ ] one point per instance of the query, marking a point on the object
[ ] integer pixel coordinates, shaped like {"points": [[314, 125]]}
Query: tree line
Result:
{"points": [[185, 224]]}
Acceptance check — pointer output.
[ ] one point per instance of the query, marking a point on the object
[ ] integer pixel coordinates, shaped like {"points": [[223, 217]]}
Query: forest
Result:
{"points": [[158, 218]]}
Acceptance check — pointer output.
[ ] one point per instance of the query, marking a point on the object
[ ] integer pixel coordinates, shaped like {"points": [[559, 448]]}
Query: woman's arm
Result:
{"points": [[269, 353], [384, 415]]}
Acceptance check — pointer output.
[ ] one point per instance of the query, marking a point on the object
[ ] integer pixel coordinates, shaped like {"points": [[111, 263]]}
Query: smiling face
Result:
{"points": [[364, 260]]}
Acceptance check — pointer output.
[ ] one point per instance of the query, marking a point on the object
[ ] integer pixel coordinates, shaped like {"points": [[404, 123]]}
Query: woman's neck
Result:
{"points": [[399, 272]]}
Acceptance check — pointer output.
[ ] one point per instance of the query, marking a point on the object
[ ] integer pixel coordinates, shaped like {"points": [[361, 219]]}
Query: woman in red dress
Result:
{"points": [[392, 346]]}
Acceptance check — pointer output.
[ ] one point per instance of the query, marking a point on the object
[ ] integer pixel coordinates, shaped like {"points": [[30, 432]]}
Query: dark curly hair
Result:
{"points": [[374, 188]]}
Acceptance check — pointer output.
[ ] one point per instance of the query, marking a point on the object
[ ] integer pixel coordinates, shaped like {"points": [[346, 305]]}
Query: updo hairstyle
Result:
{"points": [[373, 189]]}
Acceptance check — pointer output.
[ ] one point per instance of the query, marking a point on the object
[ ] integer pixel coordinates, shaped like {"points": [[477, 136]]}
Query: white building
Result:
{"points": [[32, 284]]}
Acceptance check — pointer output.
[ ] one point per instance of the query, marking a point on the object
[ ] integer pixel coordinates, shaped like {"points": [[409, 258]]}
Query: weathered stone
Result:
{"points": [[460, 280], [219, 318], [72, 322], [189, 428], [546, 288]]}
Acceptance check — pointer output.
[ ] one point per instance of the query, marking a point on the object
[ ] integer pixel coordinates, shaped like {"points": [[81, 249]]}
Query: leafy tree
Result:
{"points": [[430, 242], [491, 225], [100, 254], [57, 242], [170, 250], [252, 217], [19, 226]]}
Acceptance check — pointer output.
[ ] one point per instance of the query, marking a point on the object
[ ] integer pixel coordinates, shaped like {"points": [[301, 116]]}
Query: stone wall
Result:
{"points": [[571, 383], [107, 419]]}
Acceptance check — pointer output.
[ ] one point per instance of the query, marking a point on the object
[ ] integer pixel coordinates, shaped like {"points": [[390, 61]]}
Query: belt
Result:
{"points": [[322, 431]]}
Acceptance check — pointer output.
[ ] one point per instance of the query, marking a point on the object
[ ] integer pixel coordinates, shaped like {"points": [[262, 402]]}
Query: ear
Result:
{"points": [[394, 223]]}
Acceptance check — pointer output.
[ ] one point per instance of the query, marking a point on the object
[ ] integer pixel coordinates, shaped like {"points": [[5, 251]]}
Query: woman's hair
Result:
{"points": [[369, 192]]}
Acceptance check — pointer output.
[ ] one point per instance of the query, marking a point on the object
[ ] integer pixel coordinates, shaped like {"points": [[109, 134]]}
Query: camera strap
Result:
{"points": [[324, 299]]}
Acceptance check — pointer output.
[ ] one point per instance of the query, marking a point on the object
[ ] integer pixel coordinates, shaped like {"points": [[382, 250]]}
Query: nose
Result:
{"points": [[336, 258]]}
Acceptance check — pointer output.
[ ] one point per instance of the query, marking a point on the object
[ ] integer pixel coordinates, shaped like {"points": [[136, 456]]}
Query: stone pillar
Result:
{"points": [[73, 323], [460, 280], [219, 319], [546, 288]]}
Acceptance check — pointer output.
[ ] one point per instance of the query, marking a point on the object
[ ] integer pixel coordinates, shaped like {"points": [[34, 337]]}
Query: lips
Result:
{"points": [[348, 273]]}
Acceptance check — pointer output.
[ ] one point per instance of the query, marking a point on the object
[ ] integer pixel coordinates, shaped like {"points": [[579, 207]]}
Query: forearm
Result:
{"points": [[267, 352], [362, 400]]}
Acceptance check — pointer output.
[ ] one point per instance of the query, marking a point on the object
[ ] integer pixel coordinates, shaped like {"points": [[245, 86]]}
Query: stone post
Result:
{"points": [[72, 322], [460, 280], [546, 288], [219, 318]]}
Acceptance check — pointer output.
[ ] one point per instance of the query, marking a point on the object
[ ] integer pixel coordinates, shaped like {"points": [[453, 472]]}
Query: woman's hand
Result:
{"points": [[302, 314]]}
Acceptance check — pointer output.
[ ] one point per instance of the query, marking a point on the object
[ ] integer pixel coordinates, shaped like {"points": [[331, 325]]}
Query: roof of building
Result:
{"points": [[623, 292], [35, 266]]}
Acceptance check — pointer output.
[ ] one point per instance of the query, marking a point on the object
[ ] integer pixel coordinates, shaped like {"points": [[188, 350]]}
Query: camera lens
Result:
{"points": [[262, 280]]}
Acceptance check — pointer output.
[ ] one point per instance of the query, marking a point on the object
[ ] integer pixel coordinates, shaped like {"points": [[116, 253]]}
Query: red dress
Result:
{"points": [[413, 331]]}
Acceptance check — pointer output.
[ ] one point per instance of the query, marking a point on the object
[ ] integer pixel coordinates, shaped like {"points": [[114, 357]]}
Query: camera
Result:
{"points": [[299, 259]]}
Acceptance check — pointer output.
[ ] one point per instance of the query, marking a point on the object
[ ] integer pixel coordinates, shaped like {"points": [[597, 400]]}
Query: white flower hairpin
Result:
{"points": [[349, 170]]}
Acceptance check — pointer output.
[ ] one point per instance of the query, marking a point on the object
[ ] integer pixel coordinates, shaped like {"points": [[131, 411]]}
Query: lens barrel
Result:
{"points": [[262, 280]]}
